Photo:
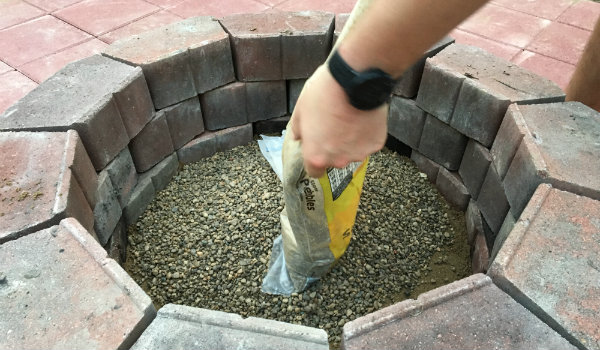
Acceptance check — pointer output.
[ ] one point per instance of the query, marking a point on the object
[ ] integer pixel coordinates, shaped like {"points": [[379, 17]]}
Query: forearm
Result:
{"points": [[392, 34], [585, 83]]}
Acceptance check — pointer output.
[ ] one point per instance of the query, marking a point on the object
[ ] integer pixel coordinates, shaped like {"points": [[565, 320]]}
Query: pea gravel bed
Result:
{"points": [[205, 241]]}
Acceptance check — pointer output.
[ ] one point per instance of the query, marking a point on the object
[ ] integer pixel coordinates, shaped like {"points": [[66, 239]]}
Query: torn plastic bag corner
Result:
{"points": [[316, 222]]}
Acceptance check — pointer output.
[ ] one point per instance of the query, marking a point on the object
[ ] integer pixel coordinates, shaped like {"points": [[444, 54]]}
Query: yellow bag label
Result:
{"points": [[341, 192]]}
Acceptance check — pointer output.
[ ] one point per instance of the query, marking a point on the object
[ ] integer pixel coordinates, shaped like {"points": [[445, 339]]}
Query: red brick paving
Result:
{"points": [[38, 38], [13, 86], [217, 8], [17, 11], [549, 9], [38, 45], [155, 20], [43, 68], [101, 16], [582, 14], [504, 25], [560, 41], [558, 71], [499, 49]]}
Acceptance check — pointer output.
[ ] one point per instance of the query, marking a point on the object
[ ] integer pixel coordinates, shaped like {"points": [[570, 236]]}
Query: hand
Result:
{"points": [[332, 132]]}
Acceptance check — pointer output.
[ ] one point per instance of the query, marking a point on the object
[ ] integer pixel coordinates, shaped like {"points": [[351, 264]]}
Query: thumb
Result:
{"points": [[295, 123]]}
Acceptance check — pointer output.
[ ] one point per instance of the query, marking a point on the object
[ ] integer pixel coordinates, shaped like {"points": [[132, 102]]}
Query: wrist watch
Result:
{"points": [[366, 90]]}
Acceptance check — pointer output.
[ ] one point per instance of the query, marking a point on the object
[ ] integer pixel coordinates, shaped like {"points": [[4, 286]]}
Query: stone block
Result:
{"points": [[107, 212], [122, 175], [489, 85], [232, 137], [442, 144], [408, 84], [161, 173], [179, 60], [507, 226], [473, 222], [340, 22], [85, 103], [492, 200], [405, 121], [279, 45], [185, 121], [271, 126], [179, 327], [87, 301], [38, 186], [82, 167], [479, 111], [426, 165], [468, 314], [490, 236], [549, 263], [135, 104], [265, 100], [560, 148], [224, 107], [116, 247], [438, 90], [474, 166], [142, 195], [480, 256], [452, 188], [295, 87], [508, 139], [152, 144], [202, 146]]}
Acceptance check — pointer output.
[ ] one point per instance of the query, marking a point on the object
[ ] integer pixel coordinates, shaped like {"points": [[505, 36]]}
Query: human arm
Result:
{"points": [[585, 82], [386, 34]]}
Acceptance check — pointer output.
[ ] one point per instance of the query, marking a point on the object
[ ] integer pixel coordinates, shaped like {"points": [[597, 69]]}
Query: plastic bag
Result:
{"points": [[316, 223]]}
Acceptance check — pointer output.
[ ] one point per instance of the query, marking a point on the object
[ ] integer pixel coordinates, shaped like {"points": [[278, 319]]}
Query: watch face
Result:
{"points": [[370, 89]]}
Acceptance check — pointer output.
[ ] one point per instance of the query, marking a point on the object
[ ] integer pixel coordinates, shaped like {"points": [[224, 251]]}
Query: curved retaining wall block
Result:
{"points": [[467, 102]]}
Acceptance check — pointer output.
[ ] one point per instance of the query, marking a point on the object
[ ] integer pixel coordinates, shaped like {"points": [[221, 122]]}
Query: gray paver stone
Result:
{"points": [[142, 195], [183, 327], [426, 165], [162, 172], [265, 100], [340, 22], [122, 175], [38, 186], [468, 314], [87, 301], [480, 255], [152, 144], [85, 104], [232, 137], [408, 84], [507, 141], [405, 121], [107, 211], [202, 146], [442, 144], [560, 148], [474, 166], [279, 45], [224, 107], [505, 229], [473, 222], [295, 87], [116, 247], [549, 263], [185, 121], [438, 90], [179, 60], [135, 104], [452, 188], [492, 200]]}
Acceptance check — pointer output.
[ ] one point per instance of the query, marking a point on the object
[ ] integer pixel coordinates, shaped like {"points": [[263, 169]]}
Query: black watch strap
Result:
{"points": [[340, 70]]}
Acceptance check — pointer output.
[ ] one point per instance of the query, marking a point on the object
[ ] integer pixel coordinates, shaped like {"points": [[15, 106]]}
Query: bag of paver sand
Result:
{"points": [[316, 223]]}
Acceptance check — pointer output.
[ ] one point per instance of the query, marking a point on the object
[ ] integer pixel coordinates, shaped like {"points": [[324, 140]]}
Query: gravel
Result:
{"points": [[205, 241]]}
